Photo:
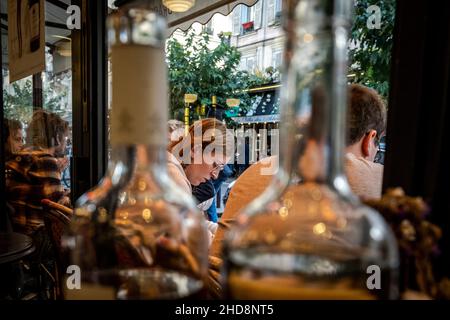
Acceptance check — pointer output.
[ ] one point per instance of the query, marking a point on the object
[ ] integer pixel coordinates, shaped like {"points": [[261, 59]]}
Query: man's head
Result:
{"points": [[48, 131], [13, 133], [366, 121]]}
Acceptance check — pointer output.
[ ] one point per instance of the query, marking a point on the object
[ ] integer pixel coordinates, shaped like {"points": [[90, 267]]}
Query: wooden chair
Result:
{"points": [[56, 219]]}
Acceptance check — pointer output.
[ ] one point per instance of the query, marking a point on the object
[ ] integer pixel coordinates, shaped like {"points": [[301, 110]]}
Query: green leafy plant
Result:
{"points": [[196, 68], [18, 100], [370, 51]]}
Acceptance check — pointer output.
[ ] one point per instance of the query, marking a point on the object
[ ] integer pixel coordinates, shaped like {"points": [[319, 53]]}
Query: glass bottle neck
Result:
{"points": [[315, 94], [129, 160]]}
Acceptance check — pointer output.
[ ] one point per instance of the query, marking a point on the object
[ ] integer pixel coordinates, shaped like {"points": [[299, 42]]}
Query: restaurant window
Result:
{"points": [[37, 110], [367, 44]]}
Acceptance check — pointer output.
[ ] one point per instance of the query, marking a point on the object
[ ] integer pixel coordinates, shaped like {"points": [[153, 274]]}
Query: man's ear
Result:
{"points": [[367, 142]]}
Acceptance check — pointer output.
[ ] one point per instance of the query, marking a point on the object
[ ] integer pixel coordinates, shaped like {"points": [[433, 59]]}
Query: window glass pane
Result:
{"points": [[38, 116], [261, 54], [278, 4]]}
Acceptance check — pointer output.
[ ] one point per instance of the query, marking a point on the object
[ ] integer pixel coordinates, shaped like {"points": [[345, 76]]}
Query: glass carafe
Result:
{"points": [[307, 236], [137, 235]]}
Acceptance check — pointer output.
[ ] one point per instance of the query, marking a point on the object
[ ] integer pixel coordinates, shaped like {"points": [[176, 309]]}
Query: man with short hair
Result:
{"points": [[366, 125]]}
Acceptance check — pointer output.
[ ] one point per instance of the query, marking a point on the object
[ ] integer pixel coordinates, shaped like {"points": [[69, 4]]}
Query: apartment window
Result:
{"points": [[208, 28], [247, 14], [247, 19], [274, 8], [251, 63], [248, 63], [278, 6], [277, 58]]}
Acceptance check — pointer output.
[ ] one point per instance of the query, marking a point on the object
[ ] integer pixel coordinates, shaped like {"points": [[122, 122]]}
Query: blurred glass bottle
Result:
{"points": [[307, 236], [136, 235]]}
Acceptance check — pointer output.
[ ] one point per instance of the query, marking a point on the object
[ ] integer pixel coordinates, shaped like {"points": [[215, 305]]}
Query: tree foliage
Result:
{"points": [[370, 52], [18, 100], [196, 68]]}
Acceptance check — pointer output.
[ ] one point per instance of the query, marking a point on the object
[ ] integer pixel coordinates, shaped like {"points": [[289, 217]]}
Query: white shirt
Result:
{"points": [[365, 177]]}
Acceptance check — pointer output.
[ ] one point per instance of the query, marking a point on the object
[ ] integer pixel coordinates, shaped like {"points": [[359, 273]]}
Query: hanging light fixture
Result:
{"points": [[64, 48], [179, 5]]}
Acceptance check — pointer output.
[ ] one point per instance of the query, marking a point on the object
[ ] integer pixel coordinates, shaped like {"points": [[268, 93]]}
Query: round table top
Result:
{"points": [[14, 246]]}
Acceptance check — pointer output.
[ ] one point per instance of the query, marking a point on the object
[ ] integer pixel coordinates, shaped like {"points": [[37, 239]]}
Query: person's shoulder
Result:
{"points": [[354, 161], [365, 177], [259, 168], [173, 165], [176, 172]]}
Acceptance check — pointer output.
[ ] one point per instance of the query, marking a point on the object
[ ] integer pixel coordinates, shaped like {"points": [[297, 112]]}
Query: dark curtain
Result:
{"points": [[418, 154]]}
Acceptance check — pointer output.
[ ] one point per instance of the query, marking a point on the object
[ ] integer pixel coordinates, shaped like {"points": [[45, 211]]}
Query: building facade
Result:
{"points": [[258, 35], [256, 31]]}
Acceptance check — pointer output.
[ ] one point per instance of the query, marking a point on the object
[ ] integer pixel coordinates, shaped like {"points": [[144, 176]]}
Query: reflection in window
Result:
{"points": [[34, 171], [37, 121]]}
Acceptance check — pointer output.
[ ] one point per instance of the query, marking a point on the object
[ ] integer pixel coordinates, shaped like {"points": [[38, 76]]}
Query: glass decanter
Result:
{"points": [[137, 235], [307, 236]]}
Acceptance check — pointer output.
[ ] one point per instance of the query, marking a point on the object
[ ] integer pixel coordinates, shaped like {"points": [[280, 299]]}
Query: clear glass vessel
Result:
{"points": [[137, 235], [307, 236]]}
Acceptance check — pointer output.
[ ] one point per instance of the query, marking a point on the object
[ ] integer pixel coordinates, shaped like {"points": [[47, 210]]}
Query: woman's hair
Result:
{"points": [[213, 132], [176, 130], [174, 124], [45, 129], [10, 126]]}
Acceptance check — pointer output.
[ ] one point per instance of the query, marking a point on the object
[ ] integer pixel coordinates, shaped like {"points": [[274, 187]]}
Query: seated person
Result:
{"points": [[366, 123], [204, 194], [217, 184], [197, 159], [250, 184], [13, 133], [34, 173]]}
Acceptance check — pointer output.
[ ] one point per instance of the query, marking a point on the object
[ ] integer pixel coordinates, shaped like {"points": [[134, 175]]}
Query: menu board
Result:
{"points": [[26, 38]]}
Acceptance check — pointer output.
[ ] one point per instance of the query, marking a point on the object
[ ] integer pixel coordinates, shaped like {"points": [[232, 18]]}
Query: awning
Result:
{"points": [[201, 12], [265, 106], [257, 119]]}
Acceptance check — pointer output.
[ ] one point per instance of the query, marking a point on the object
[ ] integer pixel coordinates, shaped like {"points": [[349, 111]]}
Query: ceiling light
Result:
{"points": [[179, 5]]}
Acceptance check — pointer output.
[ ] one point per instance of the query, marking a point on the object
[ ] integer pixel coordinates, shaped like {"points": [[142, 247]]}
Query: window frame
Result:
{"points": [[90, 96], [89, 103]]}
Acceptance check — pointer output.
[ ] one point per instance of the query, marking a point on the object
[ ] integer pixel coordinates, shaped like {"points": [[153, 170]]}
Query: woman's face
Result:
{"points": [[15, 140], [60, 149], [208, 169]]}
